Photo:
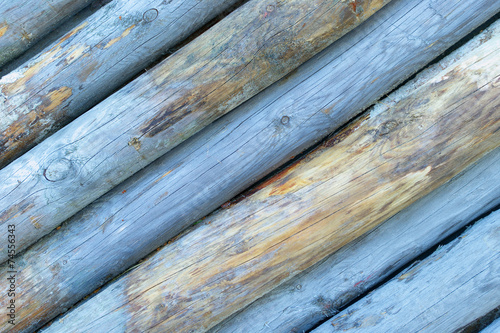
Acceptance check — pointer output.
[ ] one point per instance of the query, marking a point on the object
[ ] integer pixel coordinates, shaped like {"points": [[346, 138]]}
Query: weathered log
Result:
{"points": [[494, 327], [457, 284], [24, 22], [251, 48], [419, 138], [203, 173], [316, 295], [90, 62]]}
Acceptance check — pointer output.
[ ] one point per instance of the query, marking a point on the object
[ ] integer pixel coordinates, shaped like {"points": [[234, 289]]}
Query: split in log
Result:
{"points": [[311, 298], [251, 48], [22, 23], [419, 138], [201, 174], [444, 292], [86, 65], [494, 327]]}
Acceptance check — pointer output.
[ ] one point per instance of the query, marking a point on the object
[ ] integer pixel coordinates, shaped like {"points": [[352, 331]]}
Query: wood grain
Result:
{"points": [[22, 23], [225, 158], [91, 61], [493, 327], [416, 140], [251, 48], [318, 293], [457, 284]]}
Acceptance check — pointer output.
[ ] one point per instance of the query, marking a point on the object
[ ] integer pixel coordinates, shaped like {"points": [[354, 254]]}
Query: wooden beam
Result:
{"points": [[89, 63], [420, 137], [241, 55], [203, 173], [493, 327], [316, 295], [22, 23], [444, 292]]}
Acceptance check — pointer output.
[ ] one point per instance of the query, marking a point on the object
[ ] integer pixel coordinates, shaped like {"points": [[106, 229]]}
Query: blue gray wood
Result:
{"points": [[243, 146], [22, 23], [457, 284], [248, 50], [98, 56], [494, 327], [412, 142], [317, 294]]}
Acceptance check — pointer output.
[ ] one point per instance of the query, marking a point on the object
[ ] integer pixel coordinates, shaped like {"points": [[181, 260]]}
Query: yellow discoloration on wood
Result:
{"points": [[124, 34], [56, 97], [369, 171], [163, 176], [34, 220], [3, 28], [72, 33]]}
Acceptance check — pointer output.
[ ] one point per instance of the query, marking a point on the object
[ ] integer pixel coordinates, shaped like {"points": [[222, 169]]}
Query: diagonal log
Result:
{"points": [[416, 140], [454, 286], [251, 48], [91, 61], [23, 23], [209, 169], [316, 295]]}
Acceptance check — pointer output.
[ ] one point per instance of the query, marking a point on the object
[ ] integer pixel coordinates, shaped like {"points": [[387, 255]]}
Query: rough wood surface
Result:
{"points": [[24, 22], [317, 294], [251, 48], [457, 284], [494, 327], [415, 141], [204, 173], [90, 62]]}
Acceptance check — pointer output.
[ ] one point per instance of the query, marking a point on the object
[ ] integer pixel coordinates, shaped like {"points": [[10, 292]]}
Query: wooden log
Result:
{"points": [[316, 295], [444, 292], [250, 49], [494, 327], [418, 139], [23, 23], [90, 62], [203, 173]]}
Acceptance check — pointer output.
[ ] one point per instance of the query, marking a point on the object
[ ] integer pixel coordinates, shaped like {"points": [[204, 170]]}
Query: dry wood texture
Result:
{"points": [[320, 292], [494, 327], [251, 48], [87, 64], [404, 148], [456, 285], [226, 157], [24, 22]]}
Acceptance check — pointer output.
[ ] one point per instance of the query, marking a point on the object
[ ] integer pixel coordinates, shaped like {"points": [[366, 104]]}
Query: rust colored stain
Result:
{"points": [[124, 34], [3, 28]]}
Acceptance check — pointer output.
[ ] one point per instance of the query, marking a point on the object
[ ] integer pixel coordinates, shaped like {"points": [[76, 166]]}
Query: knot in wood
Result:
{"points": [[150, 15], [58, 169], [285, 120]]}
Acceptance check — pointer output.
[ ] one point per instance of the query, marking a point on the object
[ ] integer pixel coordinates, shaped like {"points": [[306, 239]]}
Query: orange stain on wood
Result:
{"points": [[3, 28], [56, 97], [124, 34], [164, 175]]}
